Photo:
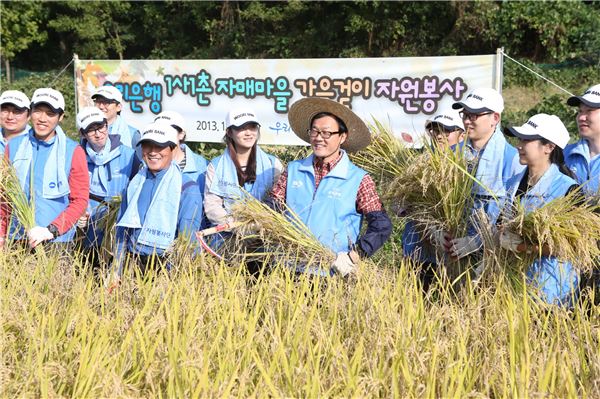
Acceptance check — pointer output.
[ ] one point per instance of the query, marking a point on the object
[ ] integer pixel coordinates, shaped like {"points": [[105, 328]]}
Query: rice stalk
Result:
{"points": [[107, 223]]}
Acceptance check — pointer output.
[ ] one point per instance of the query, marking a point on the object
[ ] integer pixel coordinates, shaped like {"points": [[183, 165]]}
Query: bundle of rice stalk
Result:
{"points": [[285, 235], [108, 223], [569, 228], [11, 191], [386, 157]]}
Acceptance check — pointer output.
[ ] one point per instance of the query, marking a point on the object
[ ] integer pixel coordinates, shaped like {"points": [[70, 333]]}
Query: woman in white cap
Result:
{"points": [[56, 166], [161, 203], [327, 191], [109, 100], [14, 116], [546, 177], [243, 165], [111, 165]]}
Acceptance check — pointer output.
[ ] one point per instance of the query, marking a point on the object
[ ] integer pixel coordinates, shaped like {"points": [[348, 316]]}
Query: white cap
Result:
{"points": [[88, 115], [240, 116], [482, 99], [591, 98], [172, 118], [545, 126], [52, 97], [109, 92], [160, 133], [15, 97], [448, 118]]}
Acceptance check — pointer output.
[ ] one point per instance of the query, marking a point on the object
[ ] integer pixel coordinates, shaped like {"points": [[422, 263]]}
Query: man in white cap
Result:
{"points": [[446, 128], [14, 116], [492, 159], [161, 203], [56, 166], [583, 157], [188, 161], [327, 191], [111, 165], [109, 100]]}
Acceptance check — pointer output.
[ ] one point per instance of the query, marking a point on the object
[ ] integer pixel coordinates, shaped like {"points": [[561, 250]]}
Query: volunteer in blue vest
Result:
{"points": [[110, 165], [14, 116], [191, 164], [161, 204], [327, 191], [493, 160], [445, 129], [583, 158], [109, 100], [546, 177], [57, 167], [243, 164]]}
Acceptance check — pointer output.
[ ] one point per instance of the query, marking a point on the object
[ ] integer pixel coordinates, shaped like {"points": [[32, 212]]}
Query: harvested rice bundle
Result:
{"points": [[108, 223], [568, 228], [386, 157], [11, 191], [283, 235]]}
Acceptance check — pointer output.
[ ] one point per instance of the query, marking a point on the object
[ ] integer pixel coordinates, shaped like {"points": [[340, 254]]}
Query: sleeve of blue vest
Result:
{"points": [[379, 229]]}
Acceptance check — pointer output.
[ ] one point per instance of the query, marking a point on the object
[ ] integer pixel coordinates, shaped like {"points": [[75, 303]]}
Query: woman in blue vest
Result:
{"points": [[161, 204], [110, 165], [546, 177]]}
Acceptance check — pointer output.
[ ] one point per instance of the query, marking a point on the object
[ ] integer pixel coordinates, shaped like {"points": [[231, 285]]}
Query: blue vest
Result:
{"points": [[555, 279], [119, 171], [577, 158], [330, 210], [195, 167], [46, 210]]}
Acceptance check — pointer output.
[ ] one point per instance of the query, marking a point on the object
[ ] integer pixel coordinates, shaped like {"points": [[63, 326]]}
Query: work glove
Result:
{"points": [[39, 234], [82, 221], [436, 236], [463, 246], [509, 240], [343, 264]]}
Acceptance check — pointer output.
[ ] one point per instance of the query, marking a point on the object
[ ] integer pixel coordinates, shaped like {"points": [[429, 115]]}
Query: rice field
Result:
{"points": [[209, 329]]}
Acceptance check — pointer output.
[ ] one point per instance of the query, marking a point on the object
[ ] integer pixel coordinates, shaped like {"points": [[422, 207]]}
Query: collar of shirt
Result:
{"points": [[326, 167]]}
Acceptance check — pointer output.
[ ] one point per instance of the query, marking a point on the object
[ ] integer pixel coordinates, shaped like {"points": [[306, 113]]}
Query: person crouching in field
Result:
{"points": [[546, 177], [52, 171], [583, 158], [161, 204], [14, 116], [445, 129], [327, 191], [111, 165]]}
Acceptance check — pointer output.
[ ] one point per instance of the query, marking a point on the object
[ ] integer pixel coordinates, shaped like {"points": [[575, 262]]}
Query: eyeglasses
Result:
{"points": [[99, 130], [313, 133], [104, 101], [14, 111], [472, 117], [435, 131]]}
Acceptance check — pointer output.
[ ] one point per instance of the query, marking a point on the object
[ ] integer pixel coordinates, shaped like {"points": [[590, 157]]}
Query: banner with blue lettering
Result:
{"points": [[399, 92]]}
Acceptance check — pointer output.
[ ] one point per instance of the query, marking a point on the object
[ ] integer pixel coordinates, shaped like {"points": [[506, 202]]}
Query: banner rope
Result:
{"points": [[61, 72], [535, 73]]}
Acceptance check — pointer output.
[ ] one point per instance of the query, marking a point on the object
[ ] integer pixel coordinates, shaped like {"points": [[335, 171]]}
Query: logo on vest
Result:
{"points": [[297, 184], [334, 193], [54, 185]]}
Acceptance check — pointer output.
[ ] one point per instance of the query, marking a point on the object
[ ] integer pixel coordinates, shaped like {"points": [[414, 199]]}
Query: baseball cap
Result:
{"points": [[89, 115], [240, 116], [448, 118], [172, 118], [539, 126], [49, 96], [160, 133], [482, 99], [591, 98], [108, 92], [16, 98]]}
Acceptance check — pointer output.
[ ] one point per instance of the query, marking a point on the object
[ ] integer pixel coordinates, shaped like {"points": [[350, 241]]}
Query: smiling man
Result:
{"points": [[329, 193], [161, 205], [14, 116], [109, 100], [57, 168]]}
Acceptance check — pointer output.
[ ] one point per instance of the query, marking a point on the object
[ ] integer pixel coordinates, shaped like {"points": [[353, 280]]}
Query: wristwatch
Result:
{"points": [[54, 230]]}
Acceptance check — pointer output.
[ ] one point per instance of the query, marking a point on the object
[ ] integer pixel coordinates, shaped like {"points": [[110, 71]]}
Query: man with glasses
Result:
{"points": [[329, 193], [111, 165], [14, 116], [52, 172], [109, 100], [492, 159], [446, 128]]}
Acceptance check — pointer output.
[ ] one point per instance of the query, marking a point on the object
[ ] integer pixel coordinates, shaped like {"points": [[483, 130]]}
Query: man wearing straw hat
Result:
{"points": [[161, 204], [52, 171], [14, 116], [329, 193]]}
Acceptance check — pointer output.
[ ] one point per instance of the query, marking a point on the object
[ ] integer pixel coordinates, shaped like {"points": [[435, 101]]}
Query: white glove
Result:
{"points": [[509, 240], [463, 246], [343, 264], [39, 234], [82, 221]]}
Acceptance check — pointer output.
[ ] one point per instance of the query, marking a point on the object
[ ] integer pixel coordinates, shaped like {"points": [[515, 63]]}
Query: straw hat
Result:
{"points": [[302, 112]]}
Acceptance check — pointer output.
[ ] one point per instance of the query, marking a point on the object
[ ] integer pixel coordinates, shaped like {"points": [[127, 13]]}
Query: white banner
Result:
{"points": [[399, 92]]}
